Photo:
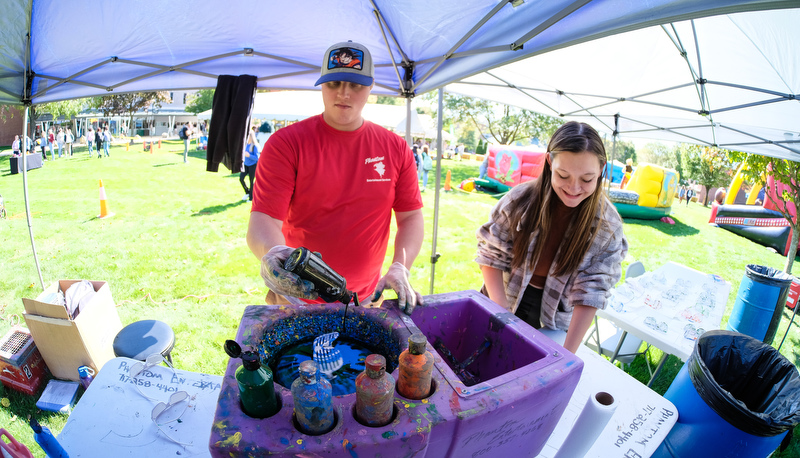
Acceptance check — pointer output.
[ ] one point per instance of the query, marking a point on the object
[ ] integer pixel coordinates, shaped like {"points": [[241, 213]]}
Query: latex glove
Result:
{"points": [[282, 281], [396, 278]]}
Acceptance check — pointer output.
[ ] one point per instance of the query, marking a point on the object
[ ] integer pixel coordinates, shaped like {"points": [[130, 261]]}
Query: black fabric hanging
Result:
{"points": [[230, 112]]}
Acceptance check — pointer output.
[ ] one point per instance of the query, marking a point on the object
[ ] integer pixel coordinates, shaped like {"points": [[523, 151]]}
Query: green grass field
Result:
{"points": [[175, 250]]}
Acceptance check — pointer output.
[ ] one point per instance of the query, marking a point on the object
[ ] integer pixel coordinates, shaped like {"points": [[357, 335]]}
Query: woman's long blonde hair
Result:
{"points": [[572, 137]]}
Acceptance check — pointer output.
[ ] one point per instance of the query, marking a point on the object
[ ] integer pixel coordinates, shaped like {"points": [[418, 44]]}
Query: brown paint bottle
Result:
{"points": [[374, 393], [416, 366]]}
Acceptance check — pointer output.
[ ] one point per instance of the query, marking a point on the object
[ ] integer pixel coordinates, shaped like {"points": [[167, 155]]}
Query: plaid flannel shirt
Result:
{"points": [[589, 285]]}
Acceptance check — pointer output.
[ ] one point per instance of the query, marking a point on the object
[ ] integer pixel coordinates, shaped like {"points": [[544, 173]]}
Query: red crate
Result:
{"points": [[21, 365], [794, 293]]}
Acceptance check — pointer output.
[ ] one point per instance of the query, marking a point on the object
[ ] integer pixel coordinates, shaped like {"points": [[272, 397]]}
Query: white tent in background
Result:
{"points": [[422, 126]]}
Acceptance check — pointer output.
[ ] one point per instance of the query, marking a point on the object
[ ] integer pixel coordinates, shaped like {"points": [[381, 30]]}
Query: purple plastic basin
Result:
{"points": [[524, 382]]}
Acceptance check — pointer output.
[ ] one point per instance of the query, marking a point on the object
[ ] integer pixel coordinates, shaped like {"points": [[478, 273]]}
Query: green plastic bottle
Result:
{"points": [[256, 387]]}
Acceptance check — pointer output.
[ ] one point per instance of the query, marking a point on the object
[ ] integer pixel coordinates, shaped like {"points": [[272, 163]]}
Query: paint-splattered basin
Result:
{"points": [[524, 382]]}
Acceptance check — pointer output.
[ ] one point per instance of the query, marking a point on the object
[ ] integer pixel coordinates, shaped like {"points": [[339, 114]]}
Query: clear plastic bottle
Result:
{"points": [[312, 397], [374, 393], [416, 368]]}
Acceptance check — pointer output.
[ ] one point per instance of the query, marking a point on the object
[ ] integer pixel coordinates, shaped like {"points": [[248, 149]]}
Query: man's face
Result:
{"points": [[344, 102]]}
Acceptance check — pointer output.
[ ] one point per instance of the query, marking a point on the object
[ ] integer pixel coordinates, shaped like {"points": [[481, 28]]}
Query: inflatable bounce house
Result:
{"points": [[511, 165], [648, 194], [761, 222]]}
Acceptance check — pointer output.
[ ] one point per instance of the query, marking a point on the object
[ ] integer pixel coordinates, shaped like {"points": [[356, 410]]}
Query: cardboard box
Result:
{"points": [[65, 343]]}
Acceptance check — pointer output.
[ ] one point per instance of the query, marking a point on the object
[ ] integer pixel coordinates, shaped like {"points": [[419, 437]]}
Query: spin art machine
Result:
{"points": [[515, 391]]}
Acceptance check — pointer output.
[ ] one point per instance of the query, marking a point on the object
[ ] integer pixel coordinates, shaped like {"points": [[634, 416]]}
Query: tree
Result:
{"points": [[661, 154], [709, 166], [201, 101], [506, 124], [757, 169], [65, 108], [389, 100], [625, 150], [130, 103]]}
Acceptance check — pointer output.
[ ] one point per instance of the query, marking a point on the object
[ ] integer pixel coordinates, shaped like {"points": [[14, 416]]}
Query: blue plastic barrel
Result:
{"points": [[727, 401], [759, 302]]}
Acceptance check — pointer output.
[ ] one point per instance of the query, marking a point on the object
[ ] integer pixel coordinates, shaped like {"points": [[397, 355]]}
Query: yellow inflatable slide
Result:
{"points": [[648, 194]]}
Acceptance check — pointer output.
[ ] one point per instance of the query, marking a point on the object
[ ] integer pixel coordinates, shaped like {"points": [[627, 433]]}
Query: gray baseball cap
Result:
{"points": [[347, 61]]}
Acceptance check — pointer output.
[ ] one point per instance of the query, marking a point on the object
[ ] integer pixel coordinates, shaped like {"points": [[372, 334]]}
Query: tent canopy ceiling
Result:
{"points": [[737, 86], [417, 45]]}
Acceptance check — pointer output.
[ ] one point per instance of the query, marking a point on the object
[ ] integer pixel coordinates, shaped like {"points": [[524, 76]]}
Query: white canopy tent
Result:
{"points": [[731, 81], [417, 46]]}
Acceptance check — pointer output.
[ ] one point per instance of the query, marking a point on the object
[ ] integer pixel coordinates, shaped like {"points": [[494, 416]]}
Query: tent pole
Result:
{"points": [[613, 151], [24, 149], [434, 255], [408, 121]]}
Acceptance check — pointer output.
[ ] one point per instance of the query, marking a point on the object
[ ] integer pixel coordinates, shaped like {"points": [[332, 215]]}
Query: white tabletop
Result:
{"points": [[640, 423], [669, 307], [114, 419]]}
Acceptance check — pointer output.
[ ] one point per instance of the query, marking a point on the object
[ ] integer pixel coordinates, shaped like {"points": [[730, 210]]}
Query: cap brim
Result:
{"points": [[363, 80]]}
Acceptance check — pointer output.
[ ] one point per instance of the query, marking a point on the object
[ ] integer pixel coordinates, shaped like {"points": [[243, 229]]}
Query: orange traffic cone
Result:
{"points": [[144, 146], [159, 143], [127, 147], [104, 213], [447, 181], [152, 146]]}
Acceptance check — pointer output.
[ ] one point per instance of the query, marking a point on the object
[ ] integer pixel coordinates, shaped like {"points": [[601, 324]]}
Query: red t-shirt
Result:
{"points": [[335, 192]]}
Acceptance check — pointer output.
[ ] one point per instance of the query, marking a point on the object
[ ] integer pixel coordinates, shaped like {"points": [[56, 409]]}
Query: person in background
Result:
{"points": [[252, 150], [689, 194], [330, 183], [107, 138], [51, 140], [427, 165], [98, 141], [61, 139], [417, 160], [42, 142], [553, 247], [15, 147], [68, 139], [185, 134], [89, 140]]}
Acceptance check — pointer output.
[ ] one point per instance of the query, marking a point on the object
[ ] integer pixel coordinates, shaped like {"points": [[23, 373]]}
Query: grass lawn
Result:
{"points": [[175, 250]]}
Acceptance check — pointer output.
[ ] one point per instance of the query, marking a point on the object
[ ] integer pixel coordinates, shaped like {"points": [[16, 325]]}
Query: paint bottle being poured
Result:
{"points": [[416, 366], [374, 393], [308, 265], [256, 388], [311, 393]]}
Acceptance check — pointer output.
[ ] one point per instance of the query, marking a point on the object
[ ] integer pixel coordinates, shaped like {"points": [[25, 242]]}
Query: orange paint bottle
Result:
{"points": [[416, 366]]}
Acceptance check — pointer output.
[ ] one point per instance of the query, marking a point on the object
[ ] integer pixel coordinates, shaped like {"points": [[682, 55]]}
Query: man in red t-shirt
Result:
{"points": [[330, 183]]}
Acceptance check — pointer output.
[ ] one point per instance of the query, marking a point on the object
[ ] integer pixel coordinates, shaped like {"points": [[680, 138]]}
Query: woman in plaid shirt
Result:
{"points": [[553, 247]]}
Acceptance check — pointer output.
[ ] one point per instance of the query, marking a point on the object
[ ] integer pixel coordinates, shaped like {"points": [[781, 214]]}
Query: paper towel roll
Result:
{"points": [[587, 428]]}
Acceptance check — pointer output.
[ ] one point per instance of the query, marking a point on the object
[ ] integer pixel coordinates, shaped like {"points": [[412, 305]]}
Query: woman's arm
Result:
{"points": [[582, 316], [493, 280]]}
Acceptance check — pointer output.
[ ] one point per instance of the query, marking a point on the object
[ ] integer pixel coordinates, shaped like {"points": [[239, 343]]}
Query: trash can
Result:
{"points": [[759, 302], [736, 396]]}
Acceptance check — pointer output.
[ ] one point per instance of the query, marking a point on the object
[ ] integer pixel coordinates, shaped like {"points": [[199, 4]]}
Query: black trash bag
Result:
{"points": [[746, 382], [768, 275]]}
